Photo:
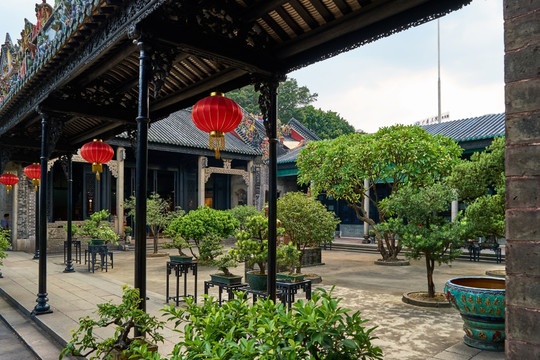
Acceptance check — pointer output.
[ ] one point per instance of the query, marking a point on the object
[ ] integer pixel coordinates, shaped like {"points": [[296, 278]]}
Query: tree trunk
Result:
{"points": [[430, 265]]}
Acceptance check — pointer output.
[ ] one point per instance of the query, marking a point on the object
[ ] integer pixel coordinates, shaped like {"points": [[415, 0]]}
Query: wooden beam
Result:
{"points": [[108, 113]]}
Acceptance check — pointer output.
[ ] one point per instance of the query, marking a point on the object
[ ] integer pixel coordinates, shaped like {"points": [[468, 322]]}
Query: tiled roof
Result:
{"points": [[302, 130], [178, 129], [477, 128], [291, 156]]}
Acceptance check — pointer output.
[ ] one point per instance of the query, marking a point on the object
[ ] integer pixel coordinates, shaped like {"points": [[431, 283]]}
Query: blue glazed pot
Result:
{"points": [[481, 303]]}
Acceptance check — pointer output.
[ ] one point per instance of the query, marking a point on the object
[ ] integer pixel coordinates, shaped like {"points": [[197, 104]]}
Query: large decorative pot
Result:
{"points": [[481, 303], [256, 281], [180, 258]]}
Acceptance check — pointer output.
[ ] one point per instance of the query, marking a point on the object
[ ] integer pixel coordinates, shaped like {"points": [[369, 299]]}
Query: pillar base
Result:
{"points": [[42, 307]]}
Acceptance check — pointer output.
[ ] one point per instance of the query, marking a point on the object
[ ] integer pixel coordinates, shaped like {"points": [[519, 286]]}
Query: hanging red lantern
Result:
{"points": [[33, 172], [98, 153], [216, 115], [9, 180]]}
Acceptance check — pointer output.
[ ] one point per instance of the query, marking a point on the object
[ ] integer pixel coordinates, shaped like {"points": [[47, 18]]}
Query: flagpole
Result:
{"points": [[439, 66]]}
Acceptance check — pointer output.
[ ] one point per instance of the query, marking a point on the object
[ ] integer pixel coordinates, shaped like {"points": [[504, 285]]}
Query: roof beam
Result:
{"points": [[108, 113]]}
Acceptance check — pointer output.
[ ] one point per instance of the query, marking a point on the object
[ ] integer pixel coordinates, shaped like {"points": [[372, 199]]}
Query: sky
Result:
{"points": [[393, 80]]}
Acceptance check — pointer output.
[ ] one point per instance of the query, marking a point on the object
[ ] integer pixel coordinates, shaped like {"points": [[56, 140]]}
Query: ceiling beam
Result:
{"points": [[221, 50], [108, 113]]}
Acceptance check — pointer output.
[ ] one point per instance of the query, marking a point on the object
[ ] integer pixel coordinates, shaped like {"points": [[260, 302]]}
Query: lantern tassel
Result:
{"points": [[217, 142], [8, 187], [35, 182], [97, 168]]}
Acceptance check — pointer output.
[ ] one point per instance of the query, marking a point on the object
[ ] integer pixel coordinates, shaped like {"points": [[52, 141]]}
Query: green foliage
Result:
{"points": [[124, 318], [314, 329], [291, 98], [176, 242], [197, 226], [423, 231], [393, 156], [158, 215], [480, 183], [242, 213], [306, 221], [97, 227], [326, 124], [252, 243], [4, 244], [289, 256]]}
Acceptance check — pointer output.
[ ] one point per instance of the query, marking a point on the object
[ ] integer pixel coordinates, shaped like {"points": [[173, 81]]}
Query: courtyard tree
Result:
{"points": [[326, 124], [480, 183], [416, 217], [391, 157], [158, 214], [306, 222]]}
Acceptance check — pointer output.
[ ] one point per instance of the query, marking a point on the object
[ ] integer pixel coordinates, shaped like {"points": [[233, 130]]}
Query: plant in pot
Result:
{"points": [[97, 229], [123, 319], [288, 256], [307, 223], [196, 226], [252, 247], [4, 244], [159, 214], [179, 243]]}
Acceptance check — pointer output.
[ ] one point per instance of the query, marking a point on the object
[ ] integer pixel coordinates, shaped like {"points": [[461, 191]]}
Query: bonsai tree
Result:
{"points": [[223, 263], [177, 242], [196, 226], [289, 256], [417, 220], [97, 227], [242, 213], [158, 214], [306, 221], [4, 244], [123, 318], [252, 243], [480, 183], [389, 158]]}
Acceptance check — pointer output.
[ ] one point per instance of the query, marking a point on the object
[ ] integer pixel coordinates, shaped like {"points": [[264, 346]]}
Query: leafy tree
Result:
{"points": [[158, 215], [306, 221], [242, 213], [4, 244], [197, 225], [392, 157], [423, 231], [97, 227], [480, 183], [291, 98], [326, 124]]}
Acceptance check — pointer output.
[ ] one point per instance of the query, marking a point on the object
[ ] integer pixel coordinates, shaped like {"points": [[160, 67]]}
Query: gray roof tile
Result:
{"points": [[476, 128]]}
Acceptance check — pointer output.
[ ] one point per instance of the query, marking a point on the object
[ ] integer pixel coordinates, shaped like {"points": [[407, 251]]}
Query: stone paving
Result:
{"points": [[404, 331]]}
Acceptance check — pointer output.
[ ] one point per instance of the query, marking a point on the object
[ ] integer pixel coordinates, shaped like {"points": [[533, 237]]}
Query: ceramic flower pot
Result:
{"points": [[285, 276], [256, 281], [481, 303], [180, 258], [226, 279]]}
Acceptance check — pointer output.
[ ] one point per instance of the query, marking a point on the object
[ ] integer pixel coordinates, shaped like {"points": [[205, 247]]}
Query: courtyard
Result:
{"points": [[404, 331]]}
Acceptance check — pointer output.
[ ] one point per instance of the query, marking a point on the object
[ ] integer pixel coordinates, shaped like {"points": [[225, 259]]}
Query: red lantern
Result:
{"points": [[9, 180], [33, 172], [98, 153], [216, 115]]}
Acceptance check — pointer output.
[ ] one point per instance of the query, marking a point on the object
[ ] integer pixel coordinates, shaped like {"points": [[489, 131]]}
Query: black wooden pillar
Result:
{"points": [[36, 252], [42, 306], [268, 105], [69, 175], [141, 174]]}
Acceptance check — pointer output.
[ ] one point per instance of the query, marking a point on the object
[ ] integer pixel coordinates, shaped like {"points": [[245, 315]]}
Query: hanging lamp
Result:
{"points": [[9, 180], [216, 115], [97, 153], [33, 172]]}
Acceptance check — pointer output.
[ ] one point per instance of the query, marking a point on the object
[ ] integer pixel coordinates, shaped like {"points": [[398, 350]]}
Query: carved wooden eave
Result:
{"points": [[112, 165], [89, 79], [226, 169]]}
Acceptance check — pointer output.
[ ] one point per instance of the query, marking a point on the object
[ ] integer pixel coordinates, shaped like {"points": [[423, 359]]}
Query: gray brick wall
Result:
{"points": [[522, 100]]}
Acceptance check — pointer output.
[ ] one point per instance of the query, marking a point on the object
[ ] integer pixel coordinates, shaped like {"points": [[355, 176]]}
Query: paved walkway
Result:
{"points": [[404, 331]]}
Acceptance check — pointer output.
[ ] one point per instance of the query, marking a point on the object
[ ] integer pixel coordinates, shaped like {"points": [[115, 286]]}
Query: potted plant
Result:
{"points": [[97, 229], [177, 242], [158, 215], [196, 226], [307, 223], [252, 247], [123, 318], [4, 244], [288, 256], [223, 263]]}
